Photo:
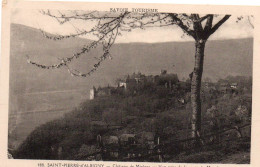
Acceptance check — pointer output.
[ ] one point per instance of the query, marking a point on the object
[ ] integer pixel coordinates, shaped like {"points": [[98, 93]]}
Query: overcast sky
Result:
{"points": [[32, 18]]}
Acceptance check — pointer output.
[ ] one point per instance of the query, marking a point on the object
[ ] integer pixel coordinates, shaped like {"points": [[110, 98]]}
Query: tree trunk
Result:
{"points": [[195, 89]]}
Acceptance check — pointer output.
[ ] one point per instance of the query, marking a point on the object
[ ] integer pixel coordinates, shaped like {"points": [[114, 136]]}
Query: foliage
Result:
{"points": [[157, 111]]}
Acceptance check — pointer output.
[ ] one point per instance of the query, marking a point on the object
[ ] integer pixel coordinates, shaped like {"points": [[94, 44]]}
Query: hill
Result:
{"points": [[233, 57], [34, 90], [143, 117]]}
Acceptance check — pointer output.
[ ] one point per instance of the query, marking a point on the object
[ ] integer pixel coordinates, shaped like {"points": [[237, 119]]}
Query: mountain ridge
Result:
{"points": [[233, 57], [35, 29], [222, 58]]}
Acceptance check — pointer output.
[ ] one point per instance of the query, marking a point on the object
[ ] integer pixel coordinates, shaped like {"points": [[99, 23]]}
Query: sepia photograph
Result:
{"points": [[130, 84]]}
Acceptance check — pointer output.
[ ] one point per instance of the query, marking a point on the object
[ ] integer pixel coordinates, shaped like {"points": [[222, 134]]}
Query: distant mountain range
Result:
{"points": [[28, 83], [222, 58]]}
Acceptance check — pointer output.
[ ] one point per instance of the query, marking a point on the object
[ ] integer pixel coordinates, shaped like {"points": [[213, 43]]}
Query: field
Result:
{"points": [[38, 108]]}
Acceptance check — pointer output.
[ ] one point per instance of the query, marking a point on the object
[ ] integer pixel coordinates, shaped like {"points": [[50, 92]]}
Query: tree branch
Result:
{"points": [[107, 29], [105, 55], [204, 17], [249, 20], [60, 37], [197, 26], [87, 16], [208, 25], [216, 26], [85, 49], [151, 22], [181, 25]]}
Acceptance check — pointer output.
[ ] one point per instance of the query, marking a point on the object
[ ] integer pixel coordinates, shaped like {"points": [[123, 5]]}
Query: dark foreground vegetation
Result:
{"points": [[147, 118]]}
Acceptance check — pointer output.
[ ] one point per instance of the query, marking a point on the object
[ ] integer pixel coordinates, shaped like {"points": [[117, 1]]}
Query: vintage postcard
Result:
{"points": [[129, 85]]}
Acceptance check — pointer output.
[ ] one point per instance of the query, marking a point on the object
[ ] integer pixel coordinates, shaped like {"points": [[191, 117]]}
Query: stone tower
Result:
{"points": [[92, 93]]}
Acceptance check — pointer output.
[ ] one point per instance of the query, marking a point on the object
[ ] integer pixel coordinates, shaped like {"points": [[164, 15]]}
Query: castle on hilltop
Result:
{"points": [[105, 91], [135, 81]]}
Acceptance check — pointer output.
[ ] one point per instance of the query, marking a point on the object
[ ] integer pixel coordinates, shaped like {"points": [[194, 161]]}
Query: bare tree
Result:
{"points": [[107, 26]]}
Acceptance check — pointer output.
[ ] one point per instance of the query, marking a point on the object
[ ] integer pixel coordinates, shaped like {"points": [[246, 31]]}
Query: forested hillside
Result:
{"points": [[152, 109]]}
